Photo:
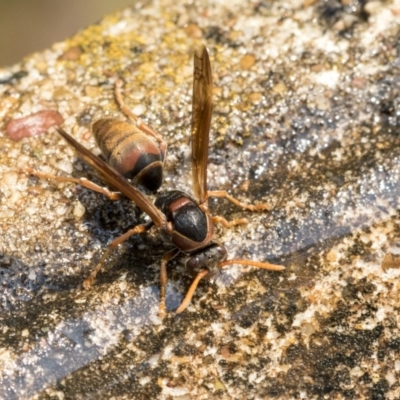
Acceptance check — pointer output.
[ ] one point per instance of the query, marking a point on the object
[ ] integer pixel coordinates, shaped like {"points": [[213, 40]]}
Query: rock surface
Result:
{"points": [[306, 117]]}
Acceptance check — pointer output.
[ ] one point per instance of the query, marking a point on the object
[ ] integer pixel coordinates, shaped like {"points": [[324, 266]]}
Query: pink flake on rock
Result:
{"points": [[33, 125]]}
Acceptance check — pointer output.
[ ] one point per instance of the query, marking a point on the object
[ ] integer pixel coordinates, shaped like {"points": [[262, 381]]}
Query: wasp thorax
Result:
{"points": [[206, 258], [192, 227], [129, 151]]}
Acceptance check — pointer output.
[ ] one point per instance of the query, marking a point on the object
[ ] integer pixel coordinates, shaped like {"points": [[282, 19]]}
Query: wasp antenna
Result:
{"points": [[257, 264]]}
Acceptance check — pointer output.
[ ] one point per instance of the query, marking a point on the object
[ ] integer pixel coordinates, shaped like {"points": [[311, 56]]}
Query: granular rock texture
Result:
{"points": [[306, 117]]}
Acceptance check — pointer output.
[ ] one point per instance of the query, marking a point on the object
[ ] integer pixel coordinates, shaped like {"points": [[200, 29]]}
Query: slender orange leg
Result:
{"points": [[120, 239], [251, 207], [80, 181], [228, 224], [257, 264], [189, 295], [139, 123], [167, 257]]}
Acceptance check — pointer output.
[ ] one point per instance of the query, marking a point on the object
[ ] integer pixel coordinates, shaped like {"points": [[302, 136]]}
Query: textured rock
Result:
{"points": [[306, 117]]}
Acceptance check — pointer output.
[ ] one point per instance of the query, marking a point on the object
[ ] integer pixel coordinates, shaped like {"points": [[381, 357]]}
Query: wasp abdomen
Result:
{"points": [[130, 151]]}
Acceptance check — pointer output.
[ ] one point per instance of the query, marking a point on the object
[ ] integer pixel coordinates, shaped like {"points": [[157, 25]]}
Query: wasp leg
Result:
{"points": [[251, 207], [163, 278], [80, 181], [228, 224], [120, 239], [251, 263], [188, 298], [139, 123]]}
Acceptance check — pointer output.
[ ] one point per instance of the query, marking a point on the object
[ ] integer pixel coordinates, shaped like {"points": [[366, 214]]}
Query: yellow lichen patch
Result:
{"points": [[280, 88], [92, 45], [331, 256], [247, 61], [255, 97], [92, 91], [218, 385]]}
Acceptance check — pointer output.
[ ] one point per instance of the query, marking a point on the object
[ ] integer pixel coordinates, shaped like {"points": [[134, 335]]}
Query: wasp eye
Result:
{"points": [[193, 263]]}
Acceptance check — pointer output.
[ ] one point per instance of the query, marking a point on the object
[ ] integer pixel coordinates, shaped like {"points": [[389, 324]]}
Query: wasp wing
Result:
{"points": [[116, 180], [201, 121]]}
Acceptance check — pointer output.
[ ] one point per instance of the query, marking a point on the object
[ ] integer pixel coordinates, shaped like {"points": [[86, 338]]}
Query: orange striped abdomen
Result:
{"points": [[129, 151]]}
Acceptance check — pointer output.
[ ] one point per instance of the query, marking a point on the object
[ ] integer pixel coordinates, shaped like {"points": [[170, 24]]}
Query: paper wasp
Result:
{"points": [[183, 220]]}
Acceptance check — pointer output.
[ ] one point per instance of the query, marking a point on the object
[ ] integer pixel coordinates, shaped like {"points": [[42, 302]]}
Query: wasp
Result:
{"points": [[135, 151]]}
